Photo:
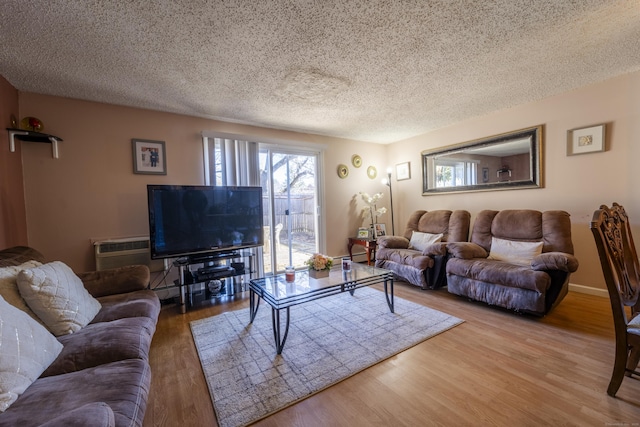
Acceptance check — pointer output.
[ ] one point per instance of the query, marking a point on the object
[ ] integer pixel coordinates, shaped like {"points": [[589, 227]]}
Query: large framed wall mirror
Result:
{"points": [[503, 162]]}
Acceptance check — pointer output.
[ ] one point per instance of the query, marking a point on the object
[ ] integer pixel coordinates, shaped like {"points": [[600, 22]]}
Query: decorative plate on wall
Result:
{"points": [[32, 123], [356, 160], [343, 171], [372, 172]]}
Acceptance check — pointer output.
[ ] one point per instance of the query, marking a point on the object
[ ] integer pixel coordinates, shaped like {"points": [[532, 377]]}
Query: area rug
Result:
{"points": [[330, 339]]}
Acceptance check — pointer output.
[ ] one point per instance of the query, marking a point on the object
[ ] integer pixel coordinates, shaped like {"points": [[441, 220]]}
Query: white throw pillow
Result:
{"points": [[58, 297], [26, 350], [514, 252], [420, 241], [9, 287]]}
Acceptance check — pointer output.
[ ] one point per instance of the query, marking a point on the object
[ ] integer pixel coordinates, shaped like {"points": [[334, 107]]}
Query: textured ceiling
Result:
{"points": [[368, 70]]}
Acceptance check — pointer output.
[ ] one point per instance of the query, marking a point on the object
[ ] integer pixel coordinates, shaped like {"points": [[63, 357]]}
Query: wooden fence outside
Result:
{"points": [[301, 214]]}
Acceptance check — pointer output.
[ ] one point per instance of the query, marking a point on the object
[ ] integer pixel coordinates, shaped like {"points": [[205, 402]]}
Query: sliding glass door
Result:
{"points": [[289, 181]]}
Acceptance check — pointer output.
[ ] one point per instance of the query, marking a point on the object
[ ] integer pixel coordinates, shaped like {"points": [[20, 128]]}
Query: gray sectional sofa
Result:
{"points": [[101, 377]]}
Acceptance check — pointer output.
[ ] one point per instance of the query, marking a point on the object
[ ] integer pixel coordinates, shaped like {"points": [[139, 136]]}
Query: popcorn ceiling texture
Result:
{"points": [[370, 70]]}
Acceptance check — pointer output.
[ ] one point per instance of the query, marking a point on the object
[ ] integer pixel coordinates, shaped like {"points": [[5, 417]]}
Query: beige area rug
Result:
{"points": [[329, 340]]}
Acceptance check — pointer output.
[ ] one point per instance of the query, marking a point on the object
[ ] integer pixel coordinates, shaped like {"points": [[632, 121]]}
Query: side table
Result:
{"points": [[369, 245]]}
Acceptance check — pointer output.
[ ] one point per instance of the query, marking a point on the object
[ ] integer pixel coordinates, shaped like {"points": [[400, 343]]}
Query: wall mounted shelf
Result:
{"points": [[31, 136]]}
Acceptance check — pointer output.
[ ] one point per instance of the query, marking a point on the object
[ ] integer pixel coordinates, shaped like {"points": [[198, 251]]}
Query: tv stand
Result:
{"points": [[210, 256], [196, 272]]}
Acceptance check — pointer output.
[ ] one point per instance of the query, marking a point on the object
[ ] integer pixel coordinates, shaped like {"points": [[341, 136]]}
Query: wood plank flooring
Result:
{"points": [[496, 369]]}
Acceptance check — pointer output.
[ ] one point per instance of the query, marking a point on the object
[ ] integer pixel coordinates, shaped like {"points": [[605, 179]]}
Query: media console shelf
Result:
{"points": [[32, 136], [197, 271]]}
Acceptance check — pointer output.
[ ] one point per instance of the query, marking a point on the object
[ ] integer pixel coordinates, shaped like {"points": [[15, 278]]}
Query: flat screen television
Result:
{"points": [[191, 219]]}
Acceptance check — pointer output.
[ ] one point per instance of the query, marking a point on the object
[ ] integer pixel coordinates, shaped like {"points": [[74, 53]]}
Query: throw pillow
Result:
{"points": [[58, 297], [513, 251], [26, 350], [9, 287], [420, 241]]}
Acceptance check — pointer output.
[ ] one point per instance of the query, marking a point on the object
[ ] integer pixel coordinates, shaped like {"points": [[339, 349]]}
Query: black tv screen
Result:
{"points": [[190, 219]]}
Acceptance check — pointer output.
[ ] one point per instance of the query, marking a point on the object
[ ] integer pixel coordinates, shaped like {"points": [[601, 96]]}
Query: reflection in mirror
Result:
{"points": [[507, 161]]}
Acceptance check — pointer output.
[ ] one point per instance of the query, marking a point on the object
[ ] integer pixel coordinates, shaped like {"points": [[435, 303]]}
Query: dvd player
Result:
{"points": [[212, 269], [212, 274]]}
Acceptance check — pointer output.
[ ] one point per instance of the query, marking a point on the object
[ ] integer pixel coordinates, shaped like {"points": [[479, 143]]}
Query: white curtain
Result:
{"points": [[241, 162], [229, 161]]}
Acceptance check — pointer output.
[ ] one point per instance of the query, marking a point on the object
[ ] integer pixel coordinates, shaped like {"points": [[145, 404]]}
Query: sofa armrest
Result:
{"points": [[97, 414], [436, 249], [393, 242], [466, 250], [17, 255], [555, 261], [116, 280]]}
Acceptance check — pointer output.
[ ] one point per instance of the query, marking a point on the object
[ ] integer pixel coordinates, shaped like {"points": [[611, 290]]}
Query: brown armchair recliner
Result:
{"points": [[533, 282], [426, 267]]}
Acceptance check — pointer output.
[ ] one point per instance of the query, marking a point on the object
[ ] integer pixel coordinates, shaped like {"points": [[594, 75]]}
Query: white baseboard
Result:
{"points": [[588, 290]]}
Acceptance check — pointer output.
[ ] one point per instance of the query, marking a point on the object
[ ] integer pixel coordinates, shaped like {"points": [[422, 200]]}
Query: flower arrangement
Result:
{"points": [[319, 262], [371, 209]]}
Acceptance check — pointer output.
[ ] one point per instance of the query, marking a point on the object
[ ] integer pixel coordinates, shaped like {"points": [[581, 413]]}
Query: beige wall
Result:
{"points": [[578, 184], [13, 223], [91, 192]]}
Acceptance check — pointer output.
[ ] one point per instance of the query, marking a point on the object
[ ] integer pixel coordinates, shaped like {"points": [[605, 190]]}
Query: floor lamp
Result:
{"points": [[387, 182]]}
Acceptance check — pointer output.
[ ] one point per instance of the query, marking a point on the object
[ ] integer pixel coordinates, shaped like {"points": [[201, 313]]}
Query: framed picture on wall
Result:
{"points": [[485, 174], [380, 230], [363, 233], [586, 140], [149, 157], [403, 171]]}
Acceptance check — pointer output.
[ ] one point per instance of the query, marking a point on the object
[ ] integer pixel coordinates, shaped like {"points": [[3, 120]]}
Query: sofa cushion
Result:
{"points": [[466, 250], [420, 241], [9, 287], [58, 297], [143, 303], [105, 342], [516, 252], [501, 273], [398, 242], [118, 280], [123, 386], [434, 222], [26, 349], [407, 257]]}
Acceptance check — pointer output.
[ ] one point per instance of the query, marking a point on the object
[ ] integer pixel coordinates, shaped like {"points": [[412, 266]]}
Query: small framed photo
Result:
{"points": [[363, 233], [403, 171], [149, 157], [380, 230], [586, 140], [485, 174]]}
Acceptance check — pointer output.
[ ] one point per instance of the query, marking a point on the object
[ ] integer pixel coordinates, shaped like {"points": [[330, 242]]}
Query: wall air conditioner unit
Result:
{"points": [[128, 251]]}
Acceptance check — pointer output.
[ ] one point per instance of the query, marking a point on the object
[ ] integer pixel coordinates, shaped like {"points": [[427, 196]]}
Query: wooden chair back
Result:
{"points": [[619, 261]]}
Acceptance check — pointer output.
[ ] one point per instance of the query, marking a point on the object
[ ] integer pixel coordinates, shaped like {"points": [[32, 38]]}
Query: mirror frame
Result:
{"points": [[534, 134]]}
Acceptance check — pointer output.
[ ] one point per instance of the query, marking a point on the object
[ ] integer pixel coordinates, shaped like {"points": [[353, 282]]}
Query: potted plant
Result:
{"points": [[319, 265]]}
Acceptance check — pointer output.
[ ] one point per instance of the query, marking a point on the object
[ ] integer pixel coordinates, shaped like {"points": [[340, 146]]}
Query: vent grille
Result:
{"points": [[122, 252], [117, 246]]}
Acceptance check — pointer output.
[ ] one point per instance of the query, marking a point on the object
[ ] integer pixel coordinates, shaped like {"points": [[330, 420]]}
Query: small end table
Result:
{"points": [[369, 245]]}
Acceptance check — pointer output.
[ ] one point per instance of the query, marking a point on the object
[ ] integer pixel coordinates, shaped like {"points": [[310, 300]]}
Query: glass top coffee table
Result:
{"points": [[281, 295]]}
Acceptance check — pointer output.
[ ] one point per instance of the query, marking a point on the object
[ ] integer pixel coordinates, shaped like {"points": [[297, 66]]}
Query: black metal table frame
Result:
{"points": [[277, 305]]}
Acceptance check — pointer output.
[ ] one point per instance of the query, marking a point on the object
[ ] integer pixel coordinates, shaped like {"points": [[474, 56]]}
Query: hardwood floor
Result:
{"points": [[496, 369]]}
